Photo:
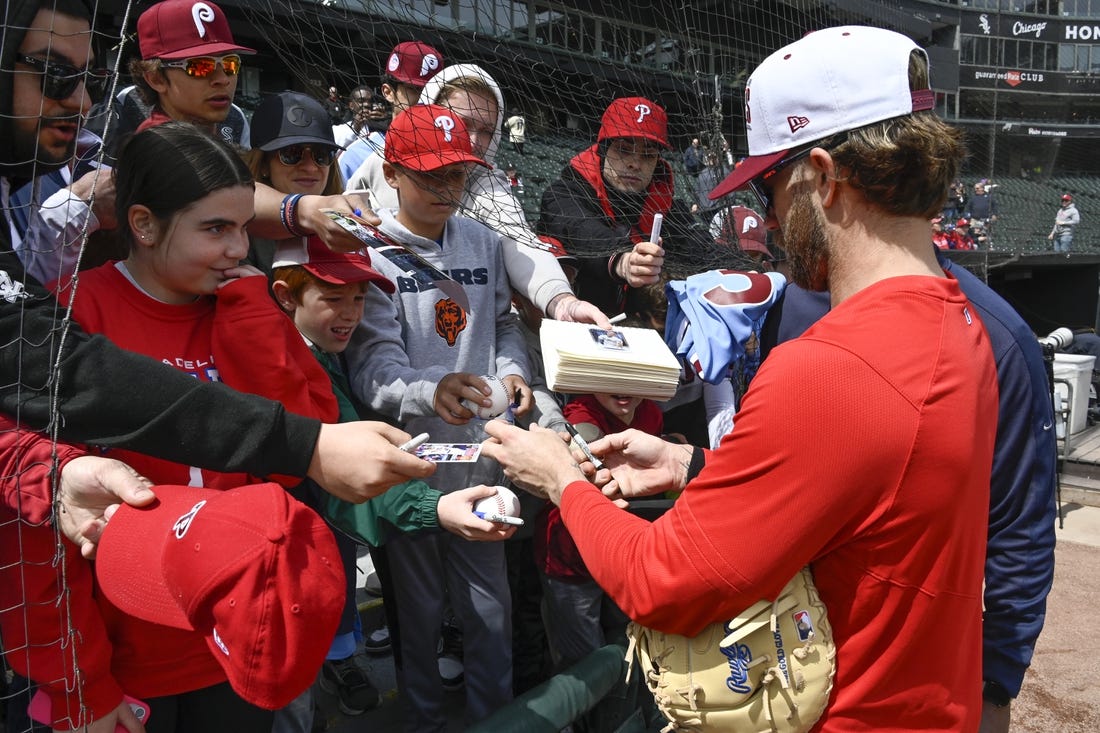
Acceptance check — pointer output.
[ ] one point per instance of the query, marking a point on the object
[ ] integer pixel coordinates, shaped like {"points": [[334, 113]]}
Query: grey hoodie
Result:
{"points": [[532, 271], [407, 342]]}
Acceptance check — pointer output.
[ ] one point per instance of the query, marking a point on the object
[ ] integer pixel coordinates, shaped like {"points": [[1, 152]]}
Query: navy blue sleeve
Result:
{"points": [[1019, 566]]}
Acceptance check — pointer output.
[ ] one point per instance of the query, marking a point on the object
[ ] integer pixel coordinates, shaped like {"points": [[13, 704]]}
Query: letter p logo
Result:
{"points": [[446, 124], [642, 110], [201, 13]]}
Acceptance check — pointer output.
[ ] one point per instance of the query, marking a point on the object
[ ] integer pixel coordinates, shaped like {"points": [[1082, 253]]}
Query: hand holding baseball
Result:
{"points": [[460, 394], [455, 512]]}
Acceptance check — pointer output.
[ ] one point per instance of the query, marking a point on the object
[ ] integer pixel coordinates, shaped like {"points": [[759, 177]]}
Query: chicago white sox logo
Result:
{"points": [[202, 13], [428, 64], [446, 124], [184, 522], [642, 110]]}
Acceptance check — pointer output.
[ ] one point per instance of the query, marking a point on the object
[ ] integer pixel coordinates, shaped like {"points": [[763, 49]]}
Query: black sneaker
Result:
{"points": [[345, 679], [377, 641]]}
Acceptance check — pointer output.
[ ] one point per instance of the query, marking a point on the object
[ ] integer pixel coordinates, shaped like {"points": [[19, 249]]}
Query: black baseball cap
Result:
{"points": [[290, 118]]}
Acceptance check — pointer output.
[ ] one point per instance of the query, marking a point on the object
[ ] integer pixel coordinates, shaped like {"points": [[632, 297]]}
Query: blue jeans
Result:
{"points": [[1063, 241]]}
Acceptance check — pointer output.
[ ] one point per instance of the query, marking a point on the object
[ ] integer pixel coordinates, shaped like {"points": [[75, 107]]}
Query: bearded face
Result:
{"points": [[803, 237]]}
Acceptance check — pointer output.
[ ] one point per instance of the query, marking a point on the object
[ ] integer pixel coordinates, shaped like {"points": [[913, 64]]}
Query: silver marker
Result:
{"points": [[411, 445]]}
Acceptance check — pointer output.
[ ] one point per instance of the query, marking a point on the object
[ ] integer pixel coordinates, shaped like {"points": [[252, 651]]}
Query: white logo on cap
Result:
{"points": [[394, 62], [642, 110], [184, 522], [202, 13], [750, 222], [446, 124], [428, 64], [220, 643]]}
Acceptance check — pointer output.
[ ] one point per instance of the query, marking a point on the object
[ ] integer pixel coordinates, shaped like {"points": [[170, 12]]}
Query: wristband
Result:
{"points": [[288, 215], [695, 466]]}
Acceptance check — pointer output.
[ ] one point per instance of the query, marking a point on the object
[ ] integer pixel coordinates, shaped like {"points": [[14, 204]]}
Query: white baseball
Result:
{"points": [[500, 398], [505, 503]]}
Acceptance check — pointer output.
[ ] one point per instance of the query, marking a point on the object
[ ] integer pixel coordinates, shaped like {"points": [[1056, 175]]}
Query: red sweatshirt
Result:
{"points": [[239, 337], [33, 641], [845, 457]]}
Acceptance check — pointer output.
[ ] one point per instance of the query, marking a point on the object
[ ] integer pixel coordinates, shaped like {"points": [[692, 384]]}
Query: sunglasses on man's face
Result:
{"points": [[201, 67], [760, 186], [292, 154], [59, 80]]}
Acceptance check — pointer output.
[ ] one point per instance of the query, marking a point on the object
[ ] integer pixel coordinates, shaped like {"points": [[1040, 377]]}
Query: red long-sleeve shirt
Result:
{"points": [[846, 456]]}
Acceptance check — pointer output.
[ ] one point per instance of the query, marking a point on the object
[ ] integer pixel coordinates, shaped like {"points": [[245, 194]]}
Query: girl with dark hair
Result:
{"points": [[182, 296]]}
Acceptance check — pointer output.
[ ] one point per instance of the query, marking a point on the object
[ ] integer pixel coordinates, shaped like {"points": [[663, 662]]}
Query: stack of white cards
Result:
{"points": [[580, 358]]}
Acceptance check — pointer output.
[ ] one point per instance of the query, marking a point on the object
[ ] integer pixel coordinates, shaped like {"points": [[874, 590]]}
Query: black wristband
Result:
{"points": [[695, 466], [996, 694]]}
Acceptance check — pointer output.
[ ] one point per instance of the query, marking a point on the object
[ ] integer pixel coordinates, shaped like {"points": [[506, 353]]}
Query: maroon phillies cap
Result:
{"points": [[425, 137], [744, 228], [413, 62], [337, 268], [635, 117], [181, 29], [252, 568]]}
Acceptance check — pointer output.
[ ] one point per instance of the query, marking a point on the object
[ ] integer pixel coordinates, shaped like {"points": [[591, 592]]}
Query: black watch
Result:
{"points": [[996, 694]]}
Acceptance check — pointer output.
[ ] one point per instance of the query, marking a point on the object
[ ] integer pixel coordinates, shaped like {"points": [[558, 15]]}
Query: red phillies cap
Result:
{"points": [[962, 223], [1067, 197], [425, 137], [180, 29], [252, 568], [413, 62], [337, 268], [635, 117]]}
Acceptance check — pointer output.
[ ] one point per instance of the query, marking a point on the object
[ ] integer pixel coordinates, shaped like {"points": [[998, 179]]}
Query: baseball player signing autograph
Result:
{"points": [[844, 458]]}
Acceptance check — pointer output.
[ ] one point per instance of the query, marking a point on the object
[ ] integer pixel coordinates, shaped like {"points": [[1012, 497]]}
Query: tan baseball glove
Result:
{"points": [[770, 669]]}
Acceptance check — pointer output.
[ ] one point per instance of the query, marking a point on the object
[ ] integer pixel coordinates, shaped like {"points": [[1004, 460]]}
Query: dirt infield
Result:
{"points": [[1061, 692]]}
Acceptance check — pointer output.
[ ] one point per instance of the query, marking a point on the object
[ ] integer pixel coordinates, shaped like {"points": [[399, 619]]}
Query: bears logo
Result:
{"points": [[450, 320]]}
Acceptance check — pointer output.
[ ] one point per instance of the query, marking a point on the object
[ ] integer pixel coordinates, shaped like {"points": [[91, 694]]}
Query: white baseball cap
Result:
{"points": [[830, 81]]}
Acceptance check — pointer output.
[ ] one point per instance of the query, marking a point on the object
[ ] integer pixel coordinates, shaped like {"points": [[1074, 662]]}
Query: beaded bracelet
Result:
{"points": [[288, 214]]}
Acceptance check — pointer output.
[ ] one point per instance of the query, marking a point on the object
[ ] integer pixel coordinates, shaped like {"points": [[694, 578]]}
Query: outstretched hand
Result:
{"points": [[570, 309], [642, 464], [355, 461], [311, 215], [537, 460], [92, 489]]}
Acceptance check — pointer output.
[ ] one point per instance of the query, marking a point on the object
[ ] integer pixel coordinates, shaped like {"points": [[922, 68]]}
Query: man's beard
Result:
{"points": [[806, 243]]}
